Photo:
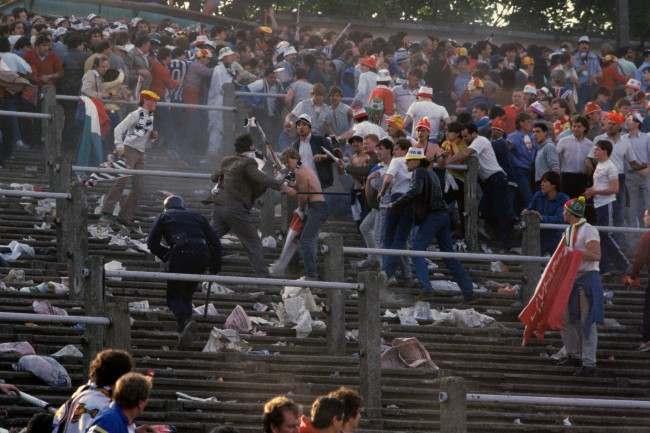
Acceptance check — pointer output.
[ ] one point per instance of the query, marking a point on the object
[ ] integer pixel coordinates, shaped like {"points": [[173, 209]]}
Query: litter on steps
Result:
{"points": [[468, 318], [21, 348], [407, 353], [45, 368], [16, 250], [238, 320], [70, 351], [44, 307], [226, 340], [186, 397]]}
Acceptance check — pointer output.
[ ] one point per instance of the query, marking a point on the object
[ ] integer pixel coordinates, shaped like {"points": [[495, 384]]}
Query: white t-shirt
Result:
{"points": [[436, 113], [621, 152], [401, 175], [586, 234], [367, 127], [487, 160], [604, 173]]}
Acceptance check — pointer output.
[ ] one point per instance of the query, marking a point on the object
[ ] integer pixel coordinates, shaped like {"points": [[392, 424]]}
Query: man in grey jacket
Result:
{"points": [[240, 183], [546, 158]]}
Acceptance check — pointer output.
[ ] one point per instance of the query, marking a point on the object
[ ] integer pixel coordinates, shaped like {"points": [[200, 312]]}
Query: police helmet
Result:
{"points": [[173, 202]]}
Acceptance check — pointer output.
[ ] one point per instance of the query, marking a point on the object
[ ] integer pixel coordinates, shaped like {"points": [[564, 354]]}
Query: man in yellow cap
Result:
{"points": [[132, 135]]}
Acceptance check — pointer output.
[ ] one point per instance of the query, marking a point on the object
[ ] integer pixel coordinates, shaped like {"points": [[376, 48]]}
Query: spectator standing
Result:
{"points": [[339, 118], [405, 93], [315, 108], [548, 205], [518, 106], [587, 66], [327, 415], [643, 67], [281, 415], [384, 92], [298, 90], [92, 83], [572, 153], [138, 61], [636, 181], [222, 74], [425, 107], [546, 158], [522, 156], [642, 260], [367, 80]]}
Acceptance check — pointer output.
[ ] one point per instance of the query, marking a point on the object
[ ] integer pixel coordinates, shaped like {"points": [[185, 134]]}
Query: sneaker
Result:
{"points": [[187, 335], [644, 347], [585, 372]]}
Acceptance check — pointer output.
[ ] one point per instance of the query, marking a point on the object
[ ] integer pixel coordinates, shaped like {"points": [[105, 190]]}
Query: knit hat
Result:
{"points": [[148, 94], [530, 89], [576, 206], [424, 123], [369, 61], [615, 117], [383, 76], [592, 107], [414, 153], [499, 124], [425, 91], [633, 84], [537, 108], [396, 120]]}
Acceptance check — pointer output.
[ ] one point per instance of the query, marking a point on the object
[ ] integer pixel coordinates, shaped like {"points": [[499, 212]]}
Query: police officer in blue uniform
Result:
{"points": [[192, 246]]}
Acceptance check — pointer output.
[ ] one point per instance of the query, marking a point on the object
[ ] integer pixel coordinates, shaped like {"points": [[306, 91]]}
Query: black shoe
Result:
{"points": [[187, 335], [569, 362], [585, 372]]}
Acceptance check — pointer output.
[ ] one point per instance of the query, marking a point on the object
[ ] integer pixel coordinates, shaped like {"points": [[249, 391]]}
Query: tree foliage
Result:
{"points": [[596, 17]]}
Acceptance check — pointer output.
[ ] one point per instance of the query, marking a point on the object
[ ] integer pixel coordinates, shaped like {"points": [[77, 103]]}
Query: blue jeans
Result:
{"points": [[397, 226], [316, 215], [437, 225], [612, 257]]}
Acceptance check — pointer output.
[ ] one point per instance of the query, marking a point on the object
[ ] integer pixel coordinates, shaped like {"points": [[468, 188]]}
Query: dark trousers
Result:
{"points": [[191, 260], [495, 206], [396, 233]]}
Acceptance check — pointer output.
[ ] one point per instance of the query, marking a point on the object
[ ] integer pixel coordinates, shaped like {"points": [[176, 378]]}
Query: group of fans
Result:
{"points": [[115, 395]]}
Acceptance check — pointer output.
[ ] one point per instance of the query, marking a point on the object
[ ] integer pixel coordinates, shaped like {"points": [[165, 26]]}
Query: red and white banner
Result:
{"points": [[547, 307]]}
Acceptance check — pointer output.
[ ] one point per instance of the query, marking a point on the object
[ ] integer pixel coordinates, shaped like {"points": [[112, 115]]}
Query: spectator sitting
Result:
{"points": [[548, 204]]}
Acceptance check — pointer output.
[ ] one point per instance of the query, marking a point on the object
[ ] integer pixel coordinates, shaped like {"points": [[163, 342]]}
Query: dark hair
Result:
{"points": [[224, 429], [17, 11], [464, 117], [386, 143], [131, 389], [141, 39], [243, 143], [290, 153], [470, 127], [40, 423], [403, 144], [481, 106], [334, 90], [456, 127], [73, 40], [553, 178], [351, 400], [108, 366], [542, 126], [564, 104], [604, 91], [274, 412], [324, 410], [100, 47], [22, 42], [163, 53], [177, 52], [605, 145], [5, 46], [521, 117], [42, 39], [496, 111], [581, 120]]}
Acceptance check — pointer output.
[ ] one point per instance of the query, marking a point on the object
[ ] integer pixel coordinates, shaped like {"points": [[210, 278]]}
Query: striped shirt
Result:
{"points": [[178, 70]]}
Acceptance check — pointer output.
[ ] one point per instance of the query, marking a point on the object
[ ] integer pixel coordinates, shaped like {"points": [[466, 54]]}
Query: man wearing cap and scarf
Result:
{"points": [[585, 309], [222, 74], [587, 65], [431, 220], [240, 183], [192, 246], [132, 135]]}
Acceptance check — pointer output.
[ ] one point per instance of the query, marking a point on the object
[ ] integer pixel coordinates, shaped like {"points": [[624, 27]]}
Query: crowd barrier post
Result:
{"points": [[230, 119], [52, 130], [370, 342], [94, 306], [73, 241], [333, 271], [118, 334], [530, 246], [471, 204], [453, 408]]}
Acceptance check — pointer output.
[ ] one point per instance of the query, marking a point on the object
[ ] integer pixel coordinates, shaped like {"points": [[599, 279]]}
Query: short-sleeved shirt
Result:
{"points": [[404, 97], [586, 234], [487, 160], [338, 118], [401, 175], [639, 147], [319, 115], [436, 114], [301, 91], [573, 153], [604, 173], [621, 154]]}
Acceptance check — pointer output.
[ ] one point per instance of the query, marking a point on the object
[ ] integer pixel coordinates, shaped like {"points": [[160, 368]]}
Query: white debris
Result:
{"points": [[303, 325], [186, 397], [43, 226], [225, 340], [21, 347], [238, 320], [22, 186], [518, 421], [114, 265], [612, 324], [139, 306], [16, 276], [269, 242], [352, 335], [468, 318], [560, 354], [259, 307], [17, 250], [259, 321], [215, 288], [46, 206], [389, 314], [294, 308], [68, 351], [45, 368], [567, 422], [422, 311], [407, 316], [44, 307], [212, 310], [498, 267], [304, 293]]}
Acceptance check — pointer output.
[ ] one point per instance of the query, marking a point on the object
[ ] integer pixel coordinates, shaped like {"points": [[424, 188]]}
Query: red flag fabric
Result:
{"points": [[547, 307]]}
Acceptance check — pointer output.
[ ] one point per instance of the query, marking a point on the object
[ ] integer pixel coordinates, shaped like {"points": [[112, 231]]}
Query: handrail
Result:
{"points": [[556, 401], [599, 228], [160, 103], [164, 276], [37, 194], [447, 255], [25, 114], [33, 317], [129, 171]]}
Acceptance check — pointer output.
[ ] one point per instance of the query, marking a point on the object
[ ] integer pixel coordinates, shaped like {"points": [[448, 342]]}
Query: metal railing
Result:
{"points": [[129, 171], [35, 194], [446, 255], [49, 318], [159, 103], [612, 229], [25, 114]]}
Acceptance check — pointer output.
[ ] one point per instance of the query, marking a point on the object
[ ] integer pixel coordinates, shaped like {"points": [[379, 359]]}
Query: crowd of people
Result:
{"points": [[115, 395], [384, 116]]}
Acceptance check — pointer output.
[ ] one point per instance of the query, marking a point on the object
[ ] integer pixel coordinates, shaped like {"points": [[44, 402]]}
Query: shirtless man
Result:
{"points": [[358, 161], [311, 202]]}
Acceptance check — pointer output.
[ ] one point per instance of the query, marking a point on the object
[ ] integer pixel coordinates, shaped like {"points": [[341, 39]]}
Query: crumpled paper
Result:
{"points": [[45, 288], [120, 238], [304, 293], [468, 318], [45, 368], [44, 307], [215, 288], [226, 340], [269, 242], [19, 347], [16, 276], [212, 310], [114, 265], [238, 320], [70, 351], [139, 306], [17, 250]]}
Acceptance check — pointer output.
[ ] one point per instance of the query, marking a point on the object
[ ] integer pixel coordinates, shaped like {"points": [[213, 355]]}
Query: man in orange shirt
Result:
{"points": [[161, 83], [518, 106], [384, 92]]}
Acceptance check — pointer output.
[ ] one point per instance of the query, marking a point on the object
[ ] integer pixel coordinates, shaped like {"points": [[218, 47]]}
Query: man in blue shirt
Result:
{"points": [[645, 84], [548, 205], [130, 398], [587, 66], [522, 156]]}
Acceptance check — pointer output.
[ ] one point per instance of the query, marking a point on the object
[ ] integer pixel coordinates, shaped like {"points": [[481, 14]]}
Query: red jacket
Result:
{"points": [[161, 79], [612, 76], [51, 64], [386, 95], [511, 114]]}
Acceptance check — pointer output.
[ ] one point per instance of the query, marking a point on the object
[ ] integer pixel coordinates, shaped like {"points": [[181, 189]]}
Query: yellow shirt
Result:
{"points": [[453, 148]]}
